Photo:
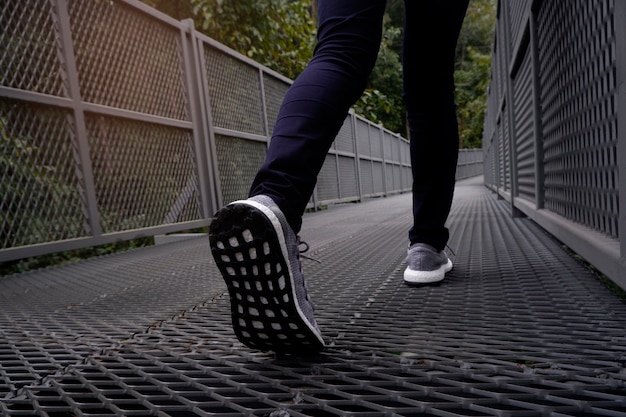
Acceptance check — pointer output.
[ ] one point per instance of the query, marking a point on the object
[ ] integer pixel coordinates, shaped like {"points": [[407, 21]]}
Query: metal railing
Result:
{"points": [[118, 122], [555, 129]]}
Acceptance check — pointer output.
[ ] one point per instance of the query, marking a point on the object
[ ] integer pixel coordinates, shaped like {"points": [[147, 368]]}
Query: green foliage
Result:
{"points": [[382, 102], [34, 180], [472, 82], [478, 28], [279, 34], [473, 58], [373, 105]]}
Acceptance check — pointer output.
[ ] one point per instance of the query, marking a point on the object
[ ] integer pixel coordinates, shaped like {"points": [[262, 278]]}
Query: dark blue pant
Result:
{"points": [[316, 105]]}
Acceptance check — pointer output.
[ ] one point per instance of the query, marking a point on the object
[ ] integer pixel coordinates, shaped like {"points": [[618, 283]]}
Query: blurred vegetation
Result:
{"points": [[280, 34], [473, 60]]}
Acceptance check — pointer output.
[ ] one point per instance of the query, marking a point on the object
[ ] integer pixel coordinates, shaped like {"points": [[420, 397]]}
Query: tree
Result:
{"points": [[279, 34], [473, 66], [382, 102]]}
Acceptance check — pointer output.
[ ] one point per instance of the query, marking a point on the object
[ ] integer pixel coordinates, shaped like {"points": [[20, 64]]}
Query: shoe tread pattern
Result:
{"points": [[248, 253]]}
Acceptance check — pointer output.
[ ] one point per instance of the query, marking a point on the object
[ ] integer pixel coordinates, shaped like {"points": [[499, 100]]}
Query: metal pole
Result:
{"points": [[357, 160], [620, 48], [84, 168], [537, 124], [207, 122], [509, 59], [192, 78], [384, 160]]}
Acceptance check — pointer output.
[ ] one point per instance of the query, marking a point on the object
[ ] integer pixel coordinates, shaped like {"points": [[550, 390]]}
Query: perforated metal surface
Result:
{"points": [[577, 61], [552, 141], [519, 328]]}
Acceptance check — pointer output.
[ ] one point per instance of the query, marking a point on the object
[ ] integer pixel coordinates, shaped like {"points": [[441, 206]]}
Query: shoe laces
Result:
{"points": [[304, 247]]}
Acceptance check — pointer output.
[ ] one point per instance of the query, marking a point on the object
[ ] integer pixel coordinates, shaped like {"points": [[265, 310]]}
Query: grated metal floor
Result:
{"points": [[519, 328]]}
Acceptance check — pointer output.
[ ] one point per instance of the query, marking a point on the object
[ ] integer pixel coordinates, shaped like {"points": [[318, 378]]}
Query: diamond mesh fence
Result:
{"points": [[41, 193], [97, 137], [144, 174], [30, 59], [128, 60], [118, 122], [235, 93], [238, 161]]}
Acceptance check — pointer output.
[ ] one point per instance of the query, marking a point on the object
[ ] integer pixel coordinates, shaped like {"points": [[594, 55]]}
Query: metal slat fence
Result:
{"points": [[118, 122], [554, 141]]}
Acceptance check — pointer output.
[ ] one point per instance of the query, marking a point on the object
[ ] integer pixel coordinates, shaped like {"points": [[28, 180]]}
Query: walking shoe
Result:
{"points": [[426, 264], [258, 255]]}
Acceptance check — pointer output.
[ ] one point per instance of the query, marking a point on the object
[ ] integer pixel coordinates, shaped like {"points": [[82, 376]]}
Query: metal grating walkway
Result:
{"points": [[519, 328]]}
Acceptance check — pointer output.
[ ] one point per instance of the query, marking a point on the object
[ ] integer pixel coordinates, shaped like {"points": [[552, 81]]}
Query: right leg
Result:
{"points": [[254, 241], [317, 103]]}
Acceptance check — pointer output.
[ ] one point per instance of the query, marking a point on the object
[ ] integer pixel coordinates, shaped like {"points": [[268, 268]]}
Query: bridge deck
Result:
{"points": [[519, 328]]}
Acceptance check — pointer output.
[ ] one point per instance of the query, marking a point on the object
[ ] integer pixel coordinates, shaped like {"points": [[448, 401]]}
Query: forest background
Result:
{"points": [[281, 34]]}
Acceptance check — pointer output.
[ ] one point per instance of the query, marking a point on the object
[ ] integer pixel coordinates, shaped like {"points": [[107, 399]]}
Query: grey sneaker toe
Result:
{"points": [[426, 264]]}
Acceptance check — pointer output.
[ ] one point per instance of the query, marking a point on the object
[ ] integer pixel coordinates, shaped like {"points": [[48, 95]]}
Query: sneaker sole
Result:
{"points": [[427, 277], [248, 245]]}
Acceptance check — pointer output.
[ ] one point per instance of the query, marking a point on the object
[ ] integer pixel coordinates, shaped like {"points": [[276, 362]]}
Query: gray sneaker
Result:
{"points": [[259, 258], [425, 264]]}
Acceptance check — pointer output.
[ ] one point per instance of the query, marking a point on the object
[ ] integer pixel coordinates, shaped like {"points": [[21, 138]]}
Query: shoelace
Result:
{"points": [[306, 247]]}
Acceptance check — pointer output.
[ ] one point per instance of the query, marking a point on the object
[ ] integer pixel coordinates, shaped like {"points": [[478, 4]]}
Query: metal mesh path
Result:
{"points": [[519, 328]]}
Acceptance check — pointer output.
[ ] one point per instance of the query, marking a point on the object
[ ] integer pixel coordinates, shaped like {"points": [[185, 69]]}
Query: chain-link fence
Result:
{"points": [[118, 122], [554, 140]]}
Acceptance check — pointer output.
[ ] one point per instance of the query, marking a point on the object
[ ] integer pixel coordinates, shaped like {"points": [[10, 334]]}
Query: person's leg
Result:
{"points": [[254, 241], [430, 37], [316, 105]]}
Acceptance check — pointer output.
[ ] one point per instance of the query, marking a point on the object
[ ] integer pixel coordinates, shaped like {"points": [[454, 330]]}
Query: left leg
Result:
{"points": [[431, 32]]}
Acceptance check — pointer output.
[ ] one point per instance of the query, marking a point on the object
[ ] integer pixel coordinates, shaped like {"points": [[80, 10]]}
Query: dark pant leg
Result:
{"points": [[316, 105], [430, 37]]}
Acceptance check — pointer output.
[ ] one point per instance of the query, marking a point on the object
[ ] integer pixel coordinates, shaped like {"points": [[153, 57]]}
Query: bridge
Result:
{"points": [[119, 122]]}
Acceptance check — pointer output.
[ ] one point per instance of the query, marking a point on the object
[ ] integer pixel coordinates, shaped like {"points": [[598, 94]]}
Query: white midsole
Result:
{"points": [[427, 276]]}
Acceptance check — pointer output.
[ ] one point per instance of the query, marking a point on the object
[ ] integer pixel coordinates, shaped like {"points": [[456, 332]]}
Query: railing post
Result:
{"points": [[537, 124], [200, 129], [337, 171], [509, 59], [206, 121], [83, 159], [383, 159], [357, 159], [620, 48]]}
